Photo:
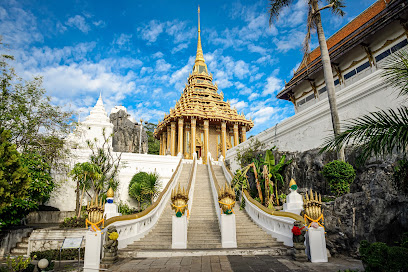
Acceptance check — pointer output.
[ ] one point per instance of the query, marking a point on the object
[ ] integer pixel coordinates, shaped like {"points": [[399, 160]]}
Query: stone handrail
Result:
{"points": [[226, 222], [191, 182], [214, 188], [276, 223], [135, 226]]}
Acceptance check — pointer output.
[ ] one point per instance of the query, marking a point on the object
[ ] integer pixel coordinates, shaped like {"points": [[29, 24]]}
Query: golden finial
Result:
{"points": [[110, 192], [199, 55]]}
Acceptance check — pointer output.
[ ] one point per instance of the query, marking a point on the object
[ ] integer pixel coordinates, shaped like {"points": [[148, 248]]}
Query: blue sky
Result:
{"points": [[139, 53]]}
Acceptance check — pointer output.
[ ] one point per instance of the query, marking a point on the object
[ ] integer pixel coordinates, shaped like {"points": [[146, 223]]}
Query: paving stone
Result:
{"points": [[186, 261]]}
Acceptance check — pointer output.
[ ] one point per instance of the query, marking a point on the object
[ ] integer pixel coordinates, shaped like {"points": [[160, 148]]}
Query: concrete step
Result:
{"points": [[18, 250], [22, 244], [279, 251]]}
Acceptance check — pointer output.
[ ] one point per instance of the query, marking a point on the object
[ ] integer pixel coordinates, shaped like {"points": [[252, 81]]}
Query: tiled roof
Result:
{"points": [[340, 37]]}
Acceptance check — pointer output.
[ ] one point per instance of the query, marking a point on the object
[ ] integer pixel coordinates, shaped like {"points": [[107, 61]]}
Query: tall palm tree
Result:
{"points": [[314, 21], [381, 132]]}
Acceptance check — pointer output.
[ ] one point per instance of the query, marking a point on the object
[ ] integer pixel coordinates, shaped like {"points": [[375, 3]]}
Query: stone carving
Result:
{"points": [[299, 232], [110, 246], [126, 137]]}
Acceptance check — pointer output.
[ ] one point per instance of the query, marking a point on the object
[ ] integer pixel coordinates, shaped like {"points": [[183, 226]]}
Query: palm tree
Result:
{"points": [[314, 21], [86, 175], [385, 131]]}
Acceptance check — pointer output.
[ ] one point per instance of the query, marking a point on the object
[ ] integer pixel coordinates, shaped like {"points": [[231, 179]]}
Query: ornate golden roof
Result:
{"points": [[200, 98]]}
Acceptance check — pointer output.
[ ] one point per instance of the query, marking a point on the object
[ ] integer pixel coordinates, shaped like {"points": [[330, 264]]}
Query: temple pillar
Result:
{"points": [[236, 135], [206, 134], [164, 147], [168, 139], [161, 145], [223, 138], [180, 136], [193, 136], [173, 139], [243, 134]]}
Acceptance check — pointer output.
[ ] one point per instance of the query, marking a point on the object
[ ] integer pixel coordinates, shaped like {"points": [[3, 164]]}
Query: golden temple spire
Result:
{"points": [[199, 55]]}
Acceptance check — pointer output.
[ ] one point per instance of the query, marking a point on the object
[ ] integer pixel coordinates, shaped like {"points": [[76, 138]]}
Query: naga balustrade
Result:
{"points": [[191, 182], [135, 226], [226, 222], [276, 223]]}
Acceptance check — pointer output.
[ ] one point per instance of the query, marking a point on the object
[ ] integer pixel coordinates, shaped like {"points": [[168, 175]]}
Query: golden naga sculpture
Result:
{"points": [[95, 211], [312, 206], [226, 199], [179, 199]]}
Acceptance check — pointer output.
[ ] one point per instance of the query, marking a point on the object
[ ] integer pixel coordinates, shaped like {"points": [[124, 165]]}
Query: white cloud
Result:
{"points": [[162, 65], [179, 47], [179, 77], [79, 22], [262, 115], [239, 105], [292, 40], [158, 55], [18, 27], [253, 96], [151, 31], [124, 41], [273, 85]]}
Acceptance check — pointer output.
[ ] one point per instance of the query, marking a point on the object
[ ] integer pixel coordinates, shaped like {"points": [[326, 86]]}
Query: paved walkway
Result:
{"points": [[233, 263]]}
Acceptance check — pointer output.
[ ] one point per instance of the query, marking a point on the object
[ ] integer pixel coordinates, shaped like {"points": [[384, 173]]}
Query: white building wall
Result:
{"points": [[64, 196], [308, 129]]}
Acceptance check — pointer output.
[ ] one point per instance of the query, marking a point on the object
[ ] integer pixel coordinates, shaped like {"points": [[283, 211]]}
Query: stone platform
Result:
{"points": [[234, 263]]}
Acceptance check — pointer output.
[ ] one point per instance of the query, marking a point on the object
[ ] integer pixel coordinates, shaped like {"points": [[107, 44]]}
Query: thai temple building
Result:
{"points": [[201, 120]]}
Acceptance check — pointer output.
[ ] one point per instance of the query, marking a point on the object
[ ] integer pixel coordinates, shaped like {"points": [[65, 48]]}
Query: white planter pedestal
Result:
{"points": [[179, 232], [316, 245], [93, 250]]}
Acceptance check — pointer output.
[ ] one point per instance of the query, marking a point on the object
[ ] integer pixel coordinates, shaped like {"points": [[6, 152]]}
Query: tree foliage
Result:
{"points": [[339, 175], [35, 124], [103, 157], [153, 143], [14, 177], [144, 187]]}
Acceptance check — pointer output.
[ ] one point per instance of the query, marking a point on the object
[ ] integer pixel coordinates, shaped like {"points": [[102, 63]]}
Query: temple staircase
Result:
{"points": [[203, 233], [159, 237]]}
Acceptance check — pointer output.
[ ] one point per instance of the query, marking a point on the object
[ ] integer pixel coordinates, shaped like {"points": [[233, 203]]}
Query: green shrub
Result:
{"points": [[124, 208], [73, 222], [53, 254], [339, 175], [380, 257]]}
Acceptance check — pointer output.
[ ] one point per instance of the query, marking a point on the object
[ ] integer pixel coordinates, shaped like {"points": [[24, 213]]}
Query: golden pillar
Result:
{"points": [[164, 143], [236, 135], [193, 136], [243, 134], [223, 138], [180, 136], [173, 139], [206, 133], [161, 145], [168, 139]]}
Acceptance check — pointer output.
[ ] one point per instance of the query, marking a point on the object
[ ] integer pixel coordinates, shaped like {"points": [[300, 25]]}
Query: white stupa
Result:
{"points": [[294, 201], [92, 127]]}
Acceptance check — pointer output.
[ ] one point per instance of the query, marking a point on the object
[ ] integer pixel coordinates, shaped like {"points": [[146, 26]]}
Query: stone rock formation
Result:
{"points": [[376, 209], [128, 135]]}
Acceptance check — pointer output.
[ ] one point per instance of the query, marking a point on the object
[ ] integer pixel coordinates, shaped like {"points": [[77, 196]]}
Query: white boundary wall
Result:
{"points": [[308, 129], [64, 197]]}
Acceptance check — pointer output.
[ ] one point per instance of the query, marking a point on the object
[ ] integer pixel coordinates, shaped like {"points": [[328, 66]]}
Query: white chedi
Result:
{"points": [[294, 201], [92, 127]]}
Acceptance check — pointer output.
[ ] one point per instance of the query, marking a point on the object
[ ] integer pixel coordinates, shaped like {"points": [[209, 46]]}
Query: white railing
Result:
{"points": [[193, 179], [218, 210], [279, 227], [226, 222], [134, 229]]}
